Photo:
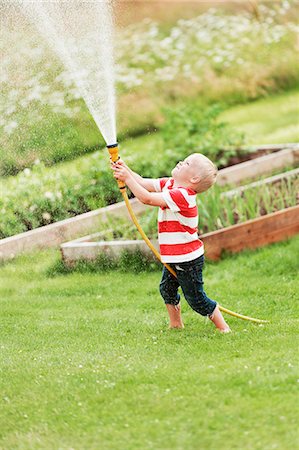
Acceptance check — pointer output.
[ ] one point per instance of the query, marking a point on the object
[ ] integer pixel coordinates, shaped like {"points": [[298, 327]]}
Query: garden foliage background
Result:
{"points": [[87, 358], [176, 71]]}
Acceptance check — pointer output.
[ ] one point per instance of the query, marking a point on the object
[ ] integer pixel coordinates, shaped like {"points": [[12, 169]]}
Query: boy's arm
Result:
{"points": [[149, 198], [147, 183]]}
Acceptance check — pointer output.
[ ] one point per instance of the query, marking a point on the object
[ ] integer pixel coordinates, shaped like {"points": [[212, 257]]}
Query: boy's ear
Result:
{"points": [[195, 180]]}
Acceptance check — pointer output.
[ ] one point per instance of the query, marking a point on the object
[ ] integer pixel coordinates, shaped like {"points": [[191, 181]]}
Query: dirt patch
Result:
{"points": [[243, 156]]}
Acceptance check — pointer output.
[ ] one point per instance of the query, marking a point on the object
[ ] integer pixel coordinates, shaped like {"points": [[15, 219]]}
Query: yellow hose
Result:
{"points": [[113, 150]]}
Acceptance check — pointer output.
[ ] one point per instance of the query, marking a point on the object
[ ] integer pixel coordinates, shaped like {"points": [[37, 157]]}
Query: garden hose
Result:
{"points": [[113, 150]]}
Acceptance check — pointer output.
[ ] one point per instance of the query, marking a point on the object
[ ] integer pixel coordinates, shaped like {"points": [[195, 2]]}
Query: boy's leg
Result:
{"points": [[175, 318], [190, 279], [217, 318], [169, 291]]}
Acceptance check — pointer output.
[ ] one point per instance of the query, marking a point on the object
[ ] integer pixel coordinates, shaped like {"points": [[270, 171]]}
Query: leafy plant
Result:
{"points": [[216, 210], [195, 128]]}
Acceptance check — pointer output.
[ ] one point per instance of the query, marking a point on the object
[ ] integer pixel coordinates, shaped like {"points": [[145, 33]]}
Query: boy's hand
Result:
{"points": [[119, 161], [121, 171]]}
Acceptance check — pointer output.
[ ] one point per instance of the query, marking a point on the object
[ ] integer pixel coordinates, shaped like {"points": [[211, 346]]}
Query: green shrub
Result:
{"points": [[137, 261], [134, 261], [195, 128], [40, 196]]}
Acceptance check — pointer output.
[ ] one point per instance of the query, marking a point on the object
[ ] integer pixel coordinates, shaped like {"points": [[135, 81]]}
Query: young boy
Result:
{"points": [[180, 246]]}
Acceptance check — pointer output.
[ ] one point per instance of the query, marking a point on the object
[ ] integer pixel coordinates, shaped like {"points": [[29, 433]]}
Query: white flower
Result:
{"points": [[46, 216], [175, 32], [49, 195], [166, 42], [24, 103], [10, 127], [27, 172], [10, 110], [35, 94], [217, 59], [4, 78]]}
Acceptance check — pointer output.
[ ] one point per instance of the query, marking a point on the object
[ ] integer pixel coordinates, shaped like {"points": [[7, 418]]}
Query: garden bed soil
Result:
{"points": [[242, 157], [255, 152], [259, 166]]}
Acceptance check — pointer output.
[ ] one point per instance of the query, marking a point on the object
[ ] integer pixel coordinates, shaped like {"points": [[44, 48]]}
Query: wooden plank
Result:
{"points": [[271, 147], [270, 180], [54, 234], [73, 251], [256, 167], [277, 219], [253, 233]]}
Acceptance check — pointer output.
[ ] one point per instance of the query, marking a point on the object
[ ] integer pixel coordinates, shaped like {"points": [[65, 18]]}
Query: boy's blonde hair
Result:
{"points": [[207, 172]]}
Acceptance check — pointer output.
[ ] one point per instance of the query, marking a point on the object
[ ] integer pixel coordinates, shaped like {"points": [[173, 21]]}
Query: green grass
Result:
{"points": [[272, 120], [88, 362]]}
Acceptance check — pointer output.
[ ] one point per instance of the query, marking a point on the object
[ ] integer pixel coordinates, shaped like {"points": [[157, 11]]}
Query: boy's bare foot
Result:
{"points": [[219, 322], [175, 319]]}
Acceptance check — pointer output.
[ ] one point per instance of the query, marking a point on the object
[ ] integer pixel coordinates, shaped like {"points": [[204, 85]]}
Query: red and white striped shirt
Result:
{"points": [[177, 223]]}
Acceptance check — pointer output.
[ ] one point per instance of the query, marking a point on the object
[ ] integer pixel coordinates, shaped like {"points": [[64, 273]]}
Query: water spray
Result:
{"points": [[80, 34]]}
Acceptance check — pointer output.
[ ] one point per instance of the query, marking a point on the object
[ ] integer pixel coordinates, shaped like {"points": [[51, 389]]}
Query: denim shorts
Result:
{"points": [[189, 277]]}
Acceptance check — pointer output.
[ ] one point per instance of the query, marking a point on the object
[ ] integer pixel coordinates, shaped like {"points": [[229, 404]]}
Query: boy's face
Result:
{"points": [[186, 170]]}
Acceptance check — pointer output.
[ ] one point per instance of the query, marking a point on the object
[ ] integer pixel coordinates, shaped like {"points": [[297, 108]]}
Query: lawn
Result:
{"points": [[88, 362], [267, 121]]}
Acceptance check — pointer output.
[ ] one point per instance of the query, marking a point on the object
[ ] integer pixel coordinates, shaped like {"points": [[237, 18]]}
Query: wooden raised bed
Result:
{"points": [[258, 167], [271, 180], [54, 234], [254, 233], [90, 249]]}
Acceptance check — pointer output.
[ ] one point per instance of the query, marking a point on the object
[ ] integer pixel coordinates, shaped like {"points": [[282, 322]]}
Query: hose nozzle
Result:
{"points": [[113, 150]]}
